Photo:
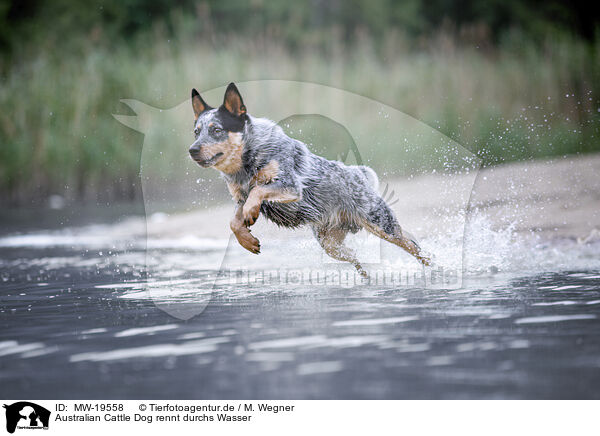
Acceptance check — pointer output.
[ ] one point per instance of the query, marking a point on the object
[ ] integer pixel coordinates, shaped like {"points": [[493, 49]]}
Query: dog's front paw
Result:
{"points": [[248, 241], [250, 214], [425, 260]]}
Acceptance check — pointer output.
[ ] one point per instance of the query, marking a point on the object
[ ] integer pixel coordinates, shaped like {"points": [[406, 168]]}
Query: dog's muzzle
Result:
{"points": [[196, 157]]}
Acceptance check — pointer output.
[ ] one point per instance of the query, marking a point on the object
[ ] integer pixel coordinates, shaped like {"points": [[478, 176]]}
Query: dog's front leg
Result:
{"points": [[242, 232], [261, 193]]}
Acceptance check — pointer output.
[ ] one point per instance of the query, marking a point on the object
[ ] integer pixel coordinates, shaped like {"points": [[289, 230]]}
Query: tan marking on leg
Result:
{"points": [[236, 191], [346, 218], [332, 242], [266, 174], [257, 195], [398, 239], [242, 233]]}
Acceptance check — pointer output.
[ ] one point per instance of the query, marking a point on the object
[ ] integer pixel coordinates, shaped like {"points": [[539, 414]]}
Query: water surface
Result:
{"points": [[76, 321]]}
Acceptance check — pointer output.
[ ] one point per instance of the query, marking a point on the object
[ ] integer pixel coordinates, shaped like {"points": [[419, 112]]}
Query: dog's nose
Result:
{"points": [[194, 151]]}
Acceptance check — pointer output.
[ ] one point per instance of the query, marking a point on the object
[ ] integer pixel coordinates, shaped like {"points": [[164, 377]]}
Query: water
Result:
{"points": [[76, 322]]}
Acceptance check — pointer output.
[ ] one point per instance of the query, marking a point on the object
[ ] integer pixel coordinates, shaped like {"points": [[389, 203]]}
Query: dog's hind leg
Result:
{"points": [[380, 221], [332, 241]]}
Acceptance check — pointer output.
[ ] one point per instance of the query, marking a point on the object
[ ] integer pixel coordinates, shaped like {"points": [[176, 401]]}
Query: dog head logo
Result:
{"points": [[181, 142], [26, 415]]}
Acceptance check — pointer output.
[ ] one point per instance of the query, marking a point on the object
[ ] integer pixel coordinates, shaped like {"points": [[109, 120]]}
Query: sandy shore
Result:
{"points": [[551, 198]]}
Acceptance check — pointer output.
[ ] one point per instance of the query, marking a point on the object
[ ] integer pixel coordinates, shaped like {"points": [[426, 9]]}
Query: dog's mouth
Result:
{"points": [[209, 162]]}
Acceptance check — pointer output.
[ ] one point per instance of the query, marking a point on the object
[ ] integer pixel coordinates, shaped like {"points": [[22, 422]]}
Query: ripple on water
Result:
{"points": [[319, 367], [556, 303], [145, 330], [439, 361], [159, 350], [564, 288], [553, 318], [288, 342], [32, 349], [374, 321], [320, 341], [93, 331], [270, 357]]}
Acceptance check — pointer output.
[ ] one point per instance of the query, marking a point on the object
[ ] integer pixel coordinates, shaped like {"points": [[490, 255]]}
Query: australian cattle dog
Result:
{"points": [[270, 173]]}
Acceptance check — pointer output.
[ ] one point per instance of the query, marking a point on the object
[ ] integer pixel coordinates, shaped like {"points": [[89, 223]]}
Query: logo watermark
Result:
{"points": [[25, 415], [335, 124]]}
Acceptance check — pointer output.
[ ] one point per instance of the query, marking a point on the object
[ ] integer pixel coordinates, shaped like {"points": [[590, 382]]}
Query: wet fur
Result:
{"points": [[268, 172]]}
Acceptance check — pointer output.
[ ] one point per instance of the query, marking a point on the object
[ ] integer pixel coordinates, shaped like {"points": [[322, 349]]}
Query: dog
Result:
{"points": [[268, 172]]}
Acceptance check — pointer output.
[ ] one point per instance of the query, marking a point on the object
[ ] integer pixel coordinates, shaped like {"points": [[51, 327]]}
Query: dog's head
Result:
{"points": [[219, 143]]}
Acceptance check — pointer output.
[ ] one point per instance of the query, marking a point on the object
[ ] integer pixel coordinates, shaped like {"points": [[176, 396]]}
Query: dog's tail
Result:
{"points": [[371, 176]]}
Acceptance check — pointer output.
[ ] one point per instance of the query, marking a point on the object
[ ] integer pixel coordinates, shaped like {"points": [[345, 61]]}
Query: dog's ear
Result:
{"points": [[198, 104], [233, 101]]}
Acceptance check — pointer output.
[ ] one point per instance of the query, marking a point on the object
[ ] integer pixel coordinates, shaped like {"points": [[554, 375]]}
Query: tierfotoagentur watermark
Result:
{"points": [[346, 278]]}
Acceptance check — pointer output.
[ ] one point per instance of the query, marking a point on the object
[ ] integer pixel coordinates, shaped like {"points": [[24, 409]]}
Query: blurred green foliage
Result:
{"points": [[509, 80], [294, 24]]}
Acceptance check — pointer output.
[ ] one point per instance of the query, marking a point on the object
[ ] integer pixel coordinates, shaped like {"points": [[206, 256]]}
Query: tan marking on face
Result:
{"points": [[266, 174], [232, 149]]}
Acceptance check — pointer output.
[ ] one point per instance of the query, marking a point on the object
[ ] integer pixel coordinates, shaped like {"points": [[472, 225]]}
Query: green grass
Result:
{"points": [[517, 101]]}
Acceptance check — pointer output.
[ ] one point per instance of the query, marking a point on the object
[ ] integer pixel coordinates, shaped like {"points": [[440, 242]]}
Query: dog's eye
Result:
{"points": [[217, 130], [196, 131]]}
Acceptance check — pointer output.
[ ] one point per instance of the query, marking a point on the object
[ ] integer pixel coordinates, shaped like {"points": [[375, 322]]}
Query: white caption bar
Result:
{"points": [[299, 417]]}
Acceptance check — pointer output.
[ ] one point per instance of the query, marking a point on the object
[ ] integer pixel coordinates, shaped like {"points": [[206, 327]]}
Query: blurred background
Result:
{"points": [[509, 80]]}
